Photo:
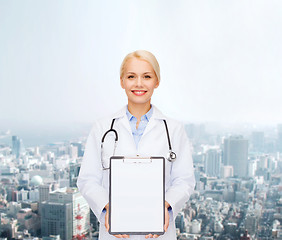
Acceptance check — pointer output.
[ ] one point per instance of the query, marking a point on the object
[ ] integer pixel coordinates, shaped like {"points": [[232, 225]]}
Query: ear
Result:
{"points": [[158, 83], [121, 82]]}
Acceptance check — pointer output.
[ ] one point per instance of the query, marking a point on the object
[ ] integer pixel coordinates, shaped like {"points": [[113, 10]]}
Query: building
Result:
{"points": [[13, 208], [196, 226], [69, 202], [44, 191], [251, 223], [236, 154], [80, 150], [21, 195], [226, 171], [34, 195], [213, 162], [17, 146], [179, 222], [73, 151], [252, 167], [28, 220], [257, 141], [73, 175], [56, 219]]}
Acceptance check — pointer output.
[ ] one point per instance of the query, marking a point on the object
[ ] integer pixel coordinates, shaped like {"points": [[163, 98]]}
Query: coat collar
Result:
{"points": [[157, 114]]}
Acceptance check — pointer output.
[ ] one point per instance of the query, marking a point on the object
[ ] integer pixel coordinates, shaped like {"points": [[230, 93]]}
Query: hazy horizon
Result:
{"points": [[38, 135]]}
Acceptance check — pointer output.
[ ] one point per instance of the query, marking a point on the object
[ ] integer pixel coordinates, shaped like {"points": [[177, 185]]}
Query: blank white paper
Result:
{"points": [[137, 195]]}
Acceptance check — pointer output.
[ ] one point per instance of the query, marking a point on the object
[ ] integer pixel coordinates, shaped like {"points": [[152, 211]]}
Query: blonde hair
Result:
{"points": [[143, 55]]}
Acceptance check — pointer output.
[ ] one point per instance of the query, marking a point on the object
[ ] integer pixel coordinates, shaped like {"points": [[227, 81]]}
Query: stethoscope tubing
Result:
{"points": [[171, 155]]}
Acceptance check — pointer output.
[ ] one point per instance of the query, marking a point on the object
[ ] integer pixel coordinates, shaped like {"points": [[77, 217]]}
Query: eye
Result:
{"points": [[130, 76], [147, 76]]}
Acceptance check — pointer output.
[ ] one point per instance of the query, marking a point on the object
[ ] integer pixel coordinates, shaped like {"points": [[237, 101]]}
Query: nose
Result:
{"points": [[139, 81]]}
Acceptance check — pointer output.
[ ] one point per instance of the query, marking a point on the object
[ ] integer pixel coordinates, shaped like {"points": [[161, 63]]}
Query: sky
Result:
{"points": [[220, 60]]}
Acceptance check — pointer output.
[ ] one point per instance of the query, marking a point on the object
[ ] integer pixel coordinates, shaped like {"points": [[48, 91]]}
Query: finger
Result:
{"points": [[156, 236], [149, 236], [121, 236], [125, 236], [107, 226], [166, 221], [166, 226], [118, 236]]}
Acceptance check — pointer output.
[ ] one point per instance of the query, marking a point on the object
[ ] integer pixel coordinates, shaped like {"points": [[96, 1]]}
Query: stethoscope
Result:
{"points": [[171, 157]]}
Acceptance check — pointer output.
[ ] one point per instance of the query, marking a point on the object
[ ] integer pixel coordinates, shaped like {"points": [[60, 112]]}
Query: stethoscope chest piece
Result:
{"points": [[171, 156]]}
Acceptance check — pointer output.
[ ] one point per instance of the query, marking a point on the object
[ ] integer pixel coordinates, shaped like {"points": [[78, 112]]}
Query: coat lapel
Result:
{"points": [[123, 118], [157, 115]]}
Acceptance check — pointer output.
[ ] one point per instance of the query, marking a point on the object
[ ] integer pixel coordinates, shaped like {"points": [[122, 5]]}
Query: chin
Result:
{"points": [[138, 102]]}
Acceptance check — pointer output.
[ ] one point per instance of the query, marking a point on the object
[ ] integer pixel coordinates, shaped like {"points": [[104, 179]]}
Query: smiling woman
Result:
{"points": [[142, 130]]}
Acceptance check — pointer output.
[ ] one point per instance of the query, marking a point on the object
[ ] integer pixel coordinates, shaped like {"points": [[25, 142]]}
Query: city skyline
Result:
{"points": [[36, 135], [38, 183]]}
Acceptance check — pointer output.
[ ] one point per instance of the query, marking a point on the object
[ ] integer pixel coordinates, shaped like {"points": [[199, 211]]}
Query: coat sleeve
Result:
{"points": [[182, 181], [89, 181]]}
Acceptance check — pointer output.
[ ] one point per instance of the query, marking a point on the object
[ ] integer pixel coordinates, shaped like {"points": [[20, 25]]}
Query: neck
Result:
{"points": [[138, 110]]}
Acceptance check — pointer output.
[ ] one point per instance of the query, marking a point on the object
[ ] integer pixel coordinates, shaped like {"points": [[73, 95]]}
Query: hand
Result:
{"points": [[107, 225], [167, 205]]}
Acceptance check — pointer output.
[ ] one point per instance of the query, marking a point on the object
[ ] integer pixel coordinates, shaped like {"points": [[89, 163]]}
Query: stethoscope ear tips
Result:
{"points": [[171, 156]]}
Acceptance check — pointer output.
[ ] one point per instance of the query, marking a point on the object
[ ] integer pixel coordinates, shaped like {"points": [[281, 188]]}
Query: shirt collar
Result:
{"points": [[145, 116], [157, 114]]}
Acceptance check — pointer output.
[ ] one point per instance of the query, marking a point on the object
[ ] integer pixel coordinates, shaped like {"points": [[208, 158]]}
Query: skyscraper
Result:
{"points": [[257, 141], [73, 175], [213, 162], [17, 146], [236, 155]]}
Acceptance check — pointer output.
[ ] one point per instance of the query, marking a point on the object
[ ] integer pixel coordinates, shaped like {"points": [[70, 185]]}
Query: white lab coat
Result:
{"points": [[179, 175]]}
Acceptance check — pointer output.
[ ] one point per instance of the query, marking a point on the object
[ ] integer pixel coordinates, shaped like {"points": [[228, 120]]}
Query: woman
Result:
{"points": [[141, 132]]}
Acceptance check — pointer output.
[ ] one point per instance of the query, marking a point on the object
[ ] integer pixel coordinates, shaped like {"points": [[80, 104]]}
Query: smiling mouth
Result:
{"points": [[138, 92]]}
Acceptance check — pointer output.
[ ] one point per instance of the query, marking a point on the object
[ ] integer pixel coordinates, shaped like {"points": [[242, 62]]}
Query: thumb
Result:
{"points": [[166, 221], [107, 226], [166, 226]]}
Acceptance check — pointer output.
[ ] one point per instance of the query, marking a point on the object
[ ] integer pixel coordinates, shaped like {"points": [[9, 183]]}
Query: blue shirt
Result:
{"points": [[137, 133]]}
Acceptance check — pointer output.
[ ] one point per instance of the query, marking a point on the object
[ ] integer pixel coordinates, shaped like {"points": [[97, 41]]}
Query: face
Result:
{"points": [[139, 81]]}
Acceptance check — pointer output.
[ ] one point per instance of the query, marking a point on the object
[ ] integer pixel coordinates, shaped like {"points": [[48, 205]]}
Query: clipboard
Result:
{"points": [[137, 195]]}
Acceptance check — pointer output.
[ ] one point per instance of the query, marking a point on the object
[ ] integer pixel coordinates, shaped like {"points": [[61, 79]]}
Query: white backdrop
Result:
{"points": [[220, 60]]}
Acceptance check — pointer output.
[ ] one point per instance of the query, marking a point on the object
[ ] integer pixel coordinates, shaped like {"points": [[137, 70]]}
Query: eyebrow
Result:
{"points": [[135, 73]]}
